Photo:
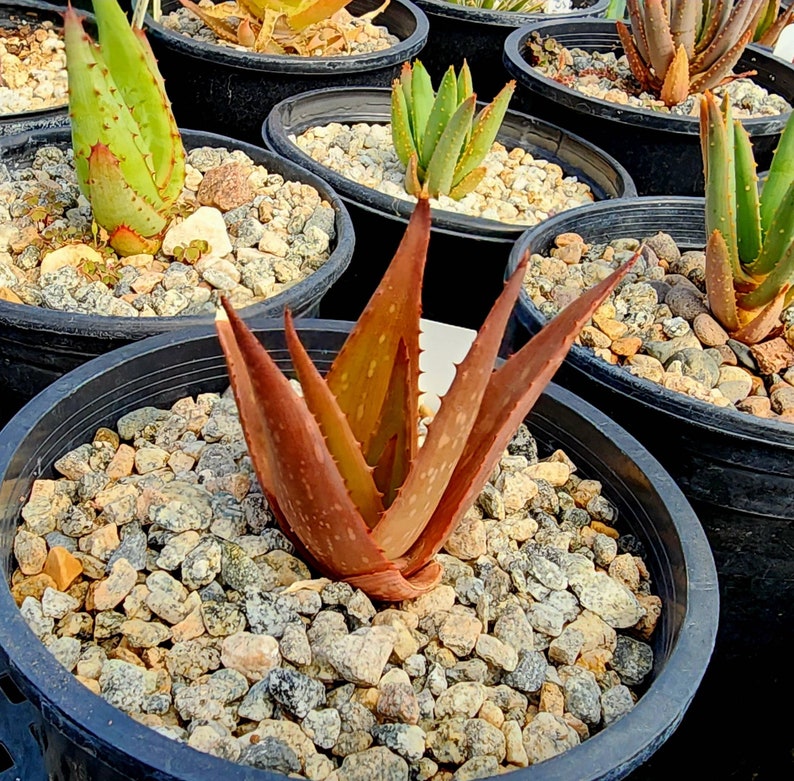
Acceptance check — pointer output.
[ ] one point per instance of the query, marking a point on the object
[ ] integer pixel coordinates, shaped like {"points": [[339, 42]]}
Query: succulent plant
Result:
{"points": [[128, 152], [437, 136], [342, 467], [750, 249], [509, 6], [679, 47], [772, 23], [278, 26]]}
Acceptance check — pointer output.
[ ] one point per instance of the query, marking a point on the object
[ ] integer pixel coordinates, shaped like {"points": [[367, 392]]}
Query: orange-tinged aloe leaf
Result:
{"points": [[739, 27], [392, 449], [660, 40], [303, 476], [721, 70], [404, 521], [220, 27], [637, 28], [392, 586], [412, 184], [719, 282], [513, 389], [764, 322], [316, 12], [684, 20], [361, 373], [637, 64], [772, 32], [676, 81], [343, 446]]}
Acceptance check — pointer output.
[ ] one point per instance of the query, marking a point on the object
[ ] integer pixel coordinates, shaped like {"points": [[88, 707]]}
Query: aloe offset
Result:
{"points": [[436, 134], [128, 152], [679, 47], [341, 466], [750, 250]]}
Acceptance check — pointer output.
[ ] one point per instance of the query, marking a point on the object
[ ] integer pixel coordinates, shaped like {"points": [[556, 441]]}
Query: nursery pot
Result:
{"points": [[84, 737], [459, 32], [231, 91], [661, 151], [38, 345], [467, 254], [736, 469], [12, 15]]}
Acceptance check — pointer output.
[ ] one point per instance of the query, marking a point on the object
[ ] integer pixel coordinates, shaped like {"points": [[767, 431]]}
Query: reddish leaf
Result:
{"points": [[513, 389], [764, 322], [392, 586], [360, 376], [637, 64], [448, 434], [720, 290], [342, 445]]}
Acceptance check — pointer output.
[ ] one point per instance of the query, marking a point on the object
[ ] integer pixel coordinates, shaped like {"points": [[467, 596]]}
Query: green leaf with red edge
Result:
{"points": [[391, 449], [661, 49], [447, 435], [764, 322], [343, 446], [720, 291], [360, 376], [512, 390]]}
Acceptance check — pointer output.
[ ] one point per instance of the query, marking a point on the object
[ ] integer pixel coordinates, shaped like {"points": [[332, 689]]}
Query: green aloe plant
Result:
{"points": [[127, 148], [679, 47], [750, 250], [341, 465], [436, 134]]}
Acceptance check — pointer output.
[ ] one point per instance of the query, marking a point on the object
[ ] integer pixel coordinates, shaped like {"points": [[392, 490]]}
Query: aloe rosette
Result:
{"points": [[341, 465], [436, 134], [128, 152], [750, 250], [679, 47]]}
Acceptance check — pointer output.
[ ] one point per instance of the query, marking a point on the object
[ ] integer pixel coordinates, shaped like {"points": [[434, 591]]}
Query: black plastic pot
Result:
{"points": [[84, 737], [12, 15], [230, 92], [467, 255], [459, 32], [737, 471], [38, 345], [660, 151]]}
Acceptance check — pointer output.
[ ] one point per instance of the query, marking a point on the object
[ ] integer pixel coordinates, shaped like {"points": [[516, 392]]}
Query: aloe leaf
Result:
{"points": [[402, 137], [360, 375], [738, 27], [771, 33], [716, 14], [403, 523], [721, 69], [412, 184], [441, 170], [765, 321], [637, 29], [779, 236], [422, 98], [675, 87], [748, 218], [780, 176], [316, 12], [638, 65], [99, 116], [512, 390], [782, 275], [468, 183], [483, 134], [465, 85], [393, 586], [131, 64], [302, 473], [443, 108], [342, 445], [684, 19], [720, 291], [660, 40]]}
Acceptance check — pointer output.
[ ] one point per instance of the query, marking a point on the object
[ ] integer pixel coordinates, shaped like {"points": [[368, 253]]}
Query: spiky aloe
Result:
{"points": [[436, 135], [750, 250], [506, 6], [342, 468], [679, 47], [127, 149], [275, 26], [772, 23]]}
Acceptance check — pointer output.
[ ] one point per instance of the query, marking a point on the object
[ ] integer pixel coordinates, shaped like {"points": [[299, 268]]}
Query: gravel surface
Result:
{"points": [[517, 189], [262, 236], [153, 570]]}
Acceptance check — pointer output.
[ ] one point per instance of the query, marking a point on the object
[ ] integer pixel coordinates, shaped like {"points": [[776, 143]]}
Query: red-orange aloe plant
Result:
{"points": [[342, 467]]}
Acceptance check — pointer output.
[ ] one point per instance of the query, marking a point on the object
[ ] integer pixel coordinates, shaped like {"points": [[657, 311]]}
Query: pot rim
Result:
{"points": [[517, 66], [71, 323], [511, 19], [286, 64], [67, 704], [738, 425], [276, 137]]}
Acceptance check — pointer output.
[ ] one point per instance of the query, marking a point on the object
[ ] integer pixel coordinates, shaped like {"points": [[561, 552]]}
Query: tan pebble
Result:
{"points": [[627, 346], [110, 592], [614, 329], [564, 239], [62, 567], [102, 542], [570, 254], [653, 611], [595, 660], [708, 330], [772, 356], [492, 713], [591, 336], [189, 628], [7, 294], [122, 463], [90, 684], [70, 255], [756, 405], [554, 472], [602, 528], [782, 399], [551, 699], [577, 725], [252, 655], [34, 586]]}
